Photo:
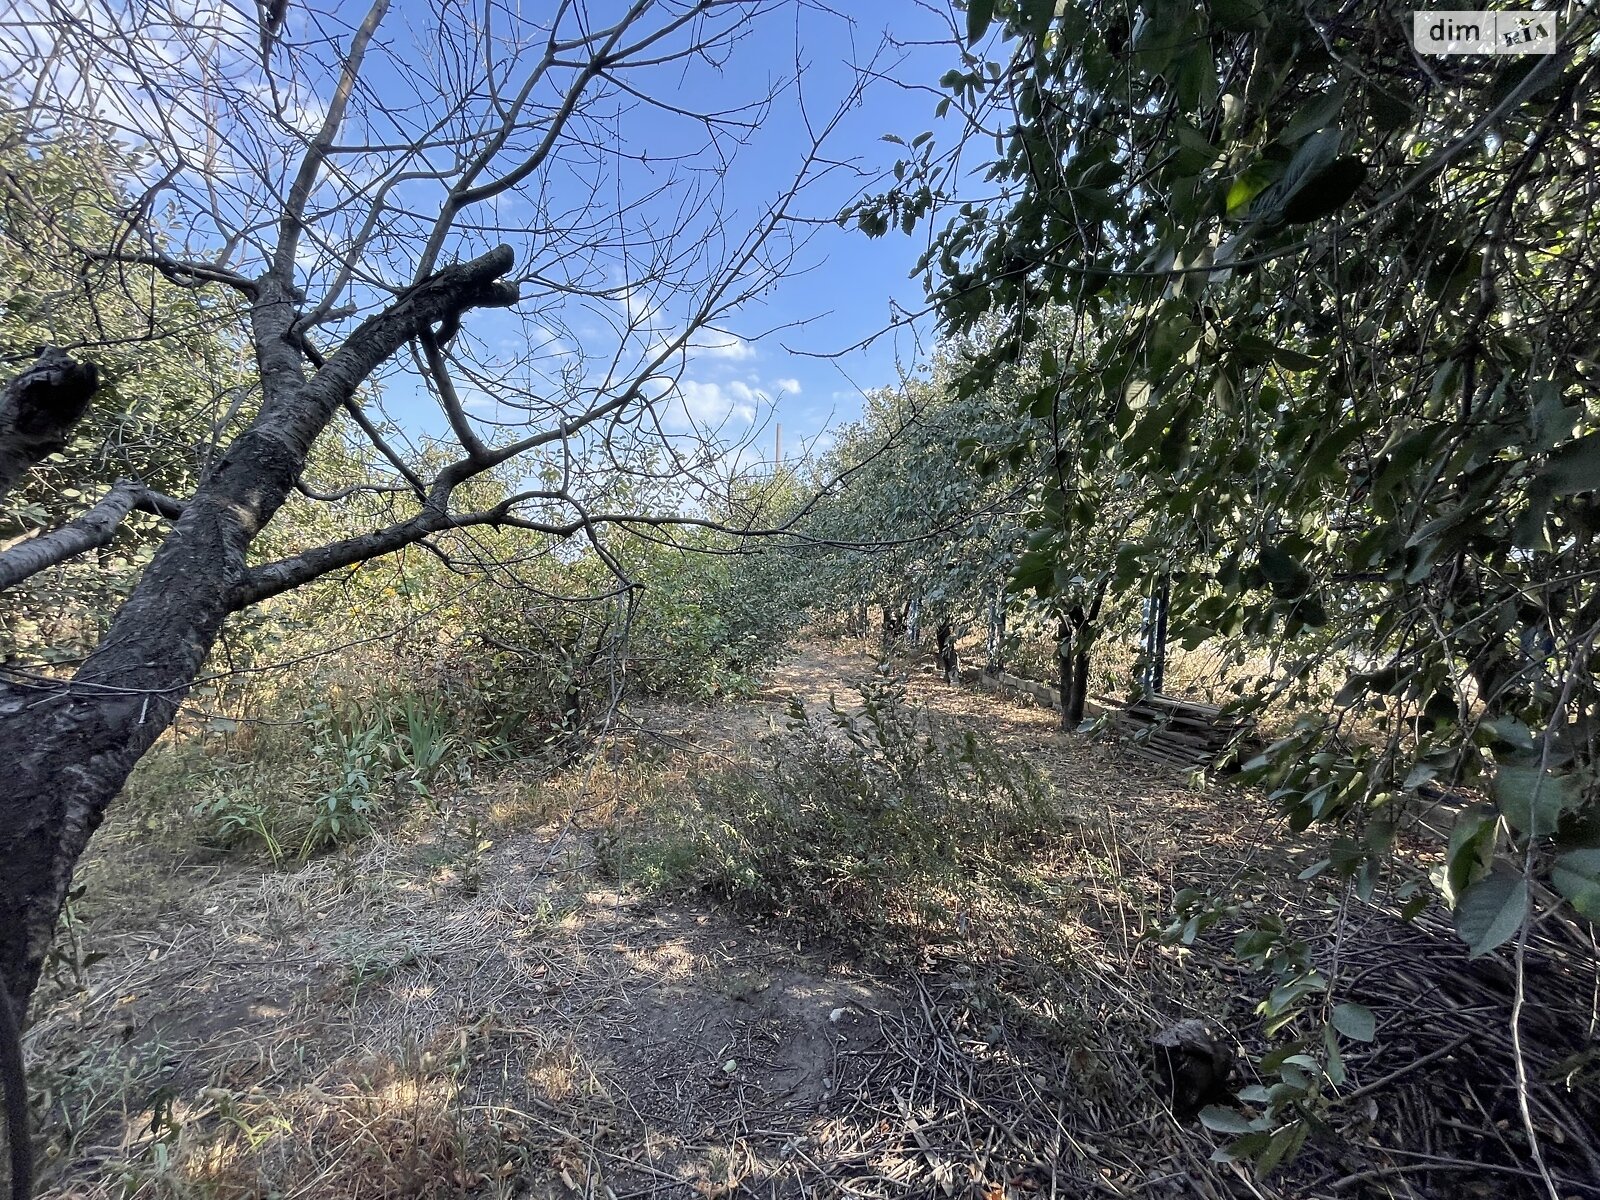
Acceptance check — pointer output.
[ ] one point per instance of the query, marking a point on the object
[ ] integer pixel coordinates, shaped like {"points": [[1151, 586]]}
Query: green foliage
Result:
{"points": [[357, 750], [232, 815], [959, 498], [710, 614], [867, 826], [293, 762], [1340, 373], [1305, 1068], [309, 783], [168, 362], [926, 517], [282, 750], [1341, 368], [86, 1084], [1327, 447]]}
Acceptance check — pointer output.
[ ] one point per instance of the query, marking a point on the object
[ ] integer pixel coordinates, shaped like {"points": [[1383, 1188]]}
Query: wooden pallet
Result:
{"points": [[1185, 734], [1177, 732]]}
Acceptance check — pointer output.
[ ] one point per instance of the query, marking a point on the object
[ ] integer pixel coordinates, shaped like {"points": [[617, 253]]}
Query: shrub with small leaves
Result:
{"points": [[867, 824]]}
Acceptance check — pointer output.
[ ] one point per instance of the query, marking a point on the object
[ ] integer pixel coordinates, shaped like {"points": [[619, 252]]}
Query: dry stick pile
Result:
{"points": [[1431, 1108], [1438, 1092], [936, 1106]]}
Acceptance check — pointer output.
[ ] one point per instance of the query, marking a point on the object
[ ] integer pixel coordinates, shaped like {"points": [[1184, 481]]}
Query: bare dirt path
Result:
{"points": [[814, 674], [461, 1008]]}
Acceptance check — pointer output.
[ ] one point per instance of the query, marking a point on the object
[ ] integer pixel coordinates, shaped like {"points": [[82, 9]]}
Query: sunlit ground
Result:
{"points": [[465, 1006]]}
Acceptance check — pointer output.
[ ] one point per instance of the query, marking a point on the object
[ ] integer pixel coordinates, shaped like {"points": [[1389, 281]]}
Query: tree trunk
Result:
{"points": [[913, 622], [1155, 636], [1072, 713], [1064, 669], [895, 626], [994, 643], [68, 748], [1074, 637], [949, 664]]}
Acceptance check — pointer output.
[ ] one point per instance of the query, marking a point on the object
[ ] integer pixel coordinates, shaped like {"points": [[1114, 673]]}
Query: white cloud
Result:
{"points": [[709, 404], [641, 311], [477, 401], [702, 407], [754, 393]]}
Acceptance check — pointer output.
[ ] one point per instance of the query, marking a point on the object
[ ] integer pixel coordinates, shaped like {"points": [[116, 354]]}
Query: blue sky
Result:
{"points": [[853, 285], [773, 363], [226, 128]]}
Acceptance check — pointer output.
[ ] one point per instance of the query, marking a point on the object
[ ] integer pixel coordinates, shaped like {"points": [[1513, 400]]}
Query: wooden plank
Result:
{"points": [[1202, 728], [1167, 757], [1174, 731], [1168, 705], [1163, 738], [1179, 703], [1177, 736]]}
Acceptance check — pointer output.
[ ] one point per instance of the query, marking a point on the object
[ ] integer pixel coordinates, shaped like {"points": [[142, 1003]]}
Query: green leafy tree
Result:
{"points": [[170, 376], [926, 520], [1347, 363]]}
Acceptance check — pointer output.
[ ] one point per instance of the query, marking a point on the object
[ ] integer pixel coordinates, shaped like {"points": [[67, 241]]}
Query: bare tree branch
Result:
{"points": [[325, 177], [90, 531], [294, 209]]}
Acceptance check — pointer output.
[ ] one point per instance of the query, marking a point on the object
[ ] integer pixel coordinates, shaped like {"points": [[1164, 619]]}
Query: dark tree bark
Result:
{"points": [[1072, 712], [894, 626], [1066, 672], [949, 664], [68, 748], [1075, 633], [38, 411]]}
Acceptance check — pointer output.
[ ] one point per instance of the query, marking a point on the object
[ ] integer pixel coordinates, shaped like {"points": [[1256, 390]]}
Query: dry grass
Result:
{"points": [[459, 1008]]}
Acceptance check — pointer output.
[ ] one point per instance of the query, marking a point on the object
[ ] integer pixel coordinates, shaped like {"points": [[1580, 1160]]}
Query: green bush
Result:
{"points": [[707, 622], [294, 788], [866, 825]]}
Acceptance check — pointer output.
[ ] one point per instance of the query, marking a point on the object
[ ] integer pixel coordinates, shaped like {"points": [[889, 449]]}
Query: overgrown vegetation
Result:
{"points": [[1289, 317], [873, 826], [399, 516], [285, 766]]}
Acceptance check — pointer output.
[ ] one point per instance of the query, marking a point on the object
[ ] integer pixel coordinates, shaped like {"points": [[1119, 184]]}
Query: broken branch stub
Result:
{"points": [[39, 409]]}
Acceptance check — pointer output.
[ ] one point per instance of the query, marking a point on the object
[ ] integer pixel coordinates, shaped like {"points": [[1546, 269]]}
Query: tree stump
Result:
{"points": [[1193, 1065]]}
